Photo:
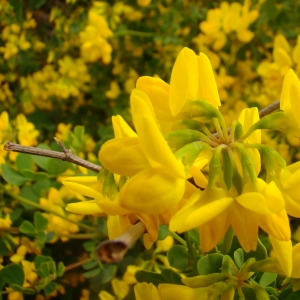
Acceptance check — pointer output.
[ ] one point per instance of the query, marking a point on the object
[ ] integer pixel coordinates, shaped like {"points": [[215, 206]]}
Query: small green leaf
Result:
{"points": [[163, 232], [239, 257], [107, 273], [38, 260], [50, 288], [27, 228], [171, 276], [42, 161], [13, 274], [41, 237], [56, 167], [149, 277], [210, 263], [12, 176], [29, 193], [177, 257], [24, 162], [60, 269], [40, 222], [36, 176], [22, 290], [92, 273], [90, 264], [266, 279]]}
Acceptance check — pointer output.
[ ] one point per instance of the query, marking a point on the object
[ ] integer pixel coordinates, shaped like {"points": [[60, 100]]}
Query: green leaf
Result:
{"points": [[178, 258], [239, 257], [266, 279], [27, 228], [29, 193], [22, 290], [56, 166], [107, 273], [90, 264], [210, 263], [24, 162], [40, 222], [271, 291], [36, 176], [60, 269], [149, 277], [38, 260], [79, 133], [92, 273], [12, 176], [163, 232], [5, 246], [171, 276], [41, 238], [50, 288], [42, 161], [13, 274]]}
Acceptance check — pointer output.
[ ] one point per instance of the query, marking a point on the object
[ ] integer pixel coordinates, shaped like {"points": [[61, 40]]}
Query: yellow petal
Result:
{"points": [[184, 80], [247, 118], [259, 205], [158, 92], [112, 208], [151, 224], [212, 232], [120, 288], [121, 128], [207, 212], [179, 218], [155, 146], [276, 225], [175, 292], [116, 225], [152, 191], [123, 156], [141, 104], [296, 261], [245, 226], [285, 103], [146, 291], [283, 251], [84, 208], [282, 58], [81, 189], [207, 83]]}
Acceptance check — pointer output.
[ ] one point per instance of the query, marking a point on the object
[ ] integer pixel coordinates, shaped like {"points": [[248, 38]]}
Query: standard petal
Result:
{"points": [[123, 156], [152, 191], [184, 80], [207, 83], [84, 208], [284, 253]]}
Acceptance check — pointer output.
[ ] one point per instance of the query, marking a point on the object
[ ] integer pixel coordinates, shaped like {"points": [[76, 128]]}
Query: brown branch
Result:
{"points": [[66, 155], [77, 264], [269, 109], [114, 250]]}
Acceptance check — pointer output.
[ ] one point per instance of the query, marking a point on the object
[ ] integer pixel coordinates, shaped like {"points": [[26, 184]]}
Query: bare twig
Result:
{"points": [[66, 155], [114, 250], [269, 109]]}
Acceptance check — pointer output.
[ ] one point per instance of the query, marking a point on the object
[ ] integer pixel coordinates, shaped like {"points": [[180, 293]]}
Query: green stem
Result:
{"points": [[133, 32], [177, 238], [192, 251], [44, 208], [227, 241], [80, 236]]}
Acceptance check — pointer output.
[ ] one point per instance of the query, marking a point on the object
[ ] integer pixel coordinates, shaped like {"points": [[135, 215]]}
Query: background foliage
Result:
{"points": [[65, 68]]}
